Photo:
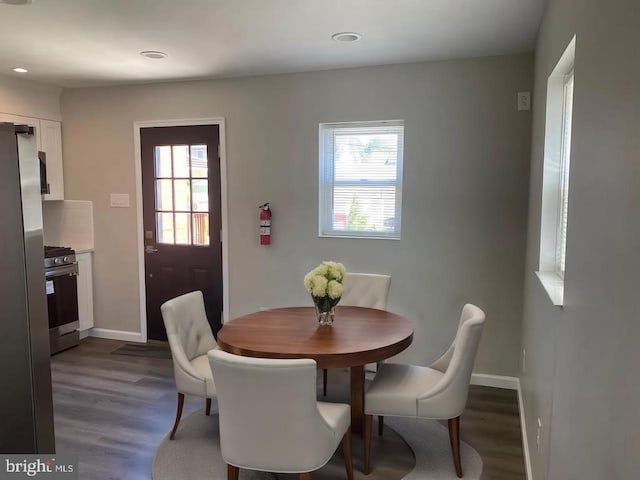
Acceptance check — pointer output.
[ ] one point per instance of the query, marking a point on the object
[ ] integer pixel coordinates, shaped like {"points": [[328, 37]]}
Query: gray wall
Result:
{"points": [[464, 198], [582, 360], [30, 99]]}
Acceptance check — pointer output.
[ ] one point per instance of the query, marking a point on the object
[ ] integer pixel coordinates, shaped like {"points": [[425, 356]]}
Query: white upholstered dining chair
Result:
{"points": [[365, 290], [190, 338], [270, 419], [437, 392], [362, 290]]}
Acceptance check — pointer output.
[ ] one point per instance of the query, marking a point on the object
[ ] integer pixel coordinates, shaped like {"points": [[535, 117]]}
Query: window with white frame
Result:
{"points": [[361, 179], [555, 182]]}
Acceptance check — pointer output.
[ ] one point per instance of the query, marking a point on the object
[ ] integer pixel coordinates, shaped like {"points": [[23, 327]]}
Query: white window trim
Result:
{"points": [[326, 183], [549, 273]]}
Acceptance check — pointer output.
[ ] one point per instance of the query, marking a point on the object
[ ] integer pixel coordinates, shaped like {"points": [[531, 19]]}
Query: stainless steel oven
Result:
{"points": [[61, 271]]}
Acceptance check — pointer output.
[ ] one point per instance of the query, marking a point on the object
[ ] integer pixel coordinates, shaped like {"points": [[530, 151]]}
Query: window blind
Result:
{"points": [[565, 156]]}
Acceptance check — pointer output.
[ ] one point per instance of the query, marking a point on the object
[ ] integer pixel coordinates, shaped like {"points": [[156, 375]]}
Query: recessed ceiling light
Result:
{"points": [[346, 37], [16, 2], [153, 54], [20, 70]]}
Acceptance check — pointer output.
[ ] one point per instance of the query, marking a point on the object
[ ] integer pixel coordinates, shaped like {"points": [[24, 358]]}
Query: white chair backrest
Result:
{"points": [[269, 418], [365, 290], [443, 362], [457, 364], [188, 329]]}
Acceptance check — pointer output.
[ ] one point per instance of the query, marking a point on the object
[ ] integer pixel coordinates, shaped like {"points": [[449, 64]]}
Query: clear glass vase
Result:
{"points": [[325, 317]]}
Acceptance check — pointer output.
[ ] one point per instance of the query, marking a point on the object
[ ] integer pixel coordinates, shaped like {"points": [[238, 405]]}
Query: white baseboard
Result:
{"points": [[116, 335], [525, 439], [498, 381], [84, 333]]}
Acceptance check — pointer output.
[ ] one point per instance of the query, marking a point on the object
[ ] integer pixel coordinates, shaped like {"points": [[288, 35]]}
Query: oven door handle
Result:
{"points": [[71, 270]]}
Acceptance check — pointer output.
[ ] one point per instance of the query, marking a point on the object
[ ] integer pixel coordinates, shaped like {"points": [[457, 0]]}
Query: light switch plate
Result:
{"points": [[524, 100], [120, 200]]}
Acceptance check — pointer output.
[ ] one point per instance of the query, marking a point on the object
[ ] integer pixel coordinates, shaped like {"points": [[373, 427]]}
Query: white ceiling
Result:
{"points": [[75, 43]]}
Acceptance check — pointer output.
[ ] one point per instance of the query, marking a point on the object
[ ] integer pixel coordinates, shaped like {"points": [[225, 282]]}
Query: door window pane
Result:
{"points": [[200, 195], [201, 229], [182, 195], [164, 195], [199, 161], [181, 161], [163, 161], [165, 227], [183, 228]]}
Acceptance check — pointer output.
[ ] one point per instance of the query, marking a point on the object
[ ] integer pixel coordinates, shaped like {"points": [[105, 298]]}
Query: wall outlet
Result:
{"points": [[538, 434], [524, 360], [524, 100]]}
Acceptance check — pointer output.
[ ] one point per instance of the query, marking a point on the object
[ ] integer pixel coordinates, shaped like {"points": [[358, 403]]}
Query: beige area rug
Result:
{"points": [[410, 449], [194, 454]]}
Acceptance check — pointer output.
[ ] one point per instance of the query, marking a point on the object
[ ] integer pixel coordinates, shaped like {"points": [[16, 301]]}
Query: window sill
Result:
{"points": [[362, 237], [554, 286]]}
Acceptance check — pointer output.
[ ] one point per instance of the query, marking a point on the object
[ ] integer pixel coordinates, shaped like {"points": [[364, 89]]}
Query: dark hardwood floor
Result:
{"points": [[491, 425], [113, 411]]}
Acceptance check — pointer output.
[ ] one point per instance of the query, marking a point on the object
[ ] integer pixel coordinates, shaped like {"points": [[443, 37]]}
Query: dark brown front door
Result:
{"points": [[181, 203]]}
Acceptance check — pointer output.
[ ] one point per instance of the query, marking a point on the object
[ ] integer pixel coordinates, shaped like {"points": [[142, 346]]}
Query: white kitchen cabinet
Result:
{"points": [[85, 290], [51, 144]]}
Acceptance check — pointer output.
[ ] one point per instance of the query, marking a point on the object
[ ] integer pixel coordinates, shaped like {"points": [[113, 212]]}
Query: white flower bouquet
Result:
{"points": [[324, 283]]}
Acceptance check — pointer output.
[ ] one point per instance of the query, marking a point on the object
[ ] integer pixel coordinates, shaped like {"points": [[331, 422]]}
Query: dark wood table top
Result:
{"points": [[358, 335]]}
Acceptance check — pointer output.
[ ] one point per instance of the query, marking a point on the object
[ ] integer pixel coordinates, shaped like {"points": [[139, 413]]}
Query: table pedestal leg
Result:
{"points": [[357, 399]]}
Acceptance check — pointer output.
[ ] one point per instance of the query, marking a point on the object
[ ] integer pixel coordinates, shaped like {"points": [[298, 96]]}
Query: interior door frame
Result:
{"points": [[224, 238]]}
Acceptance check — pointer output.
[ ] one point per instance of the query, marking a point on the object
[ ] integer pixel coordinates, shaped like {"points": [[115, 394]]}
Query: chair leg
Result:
{"points": [[325, 373], [232, 472], [347, 454], [454, 437], [380, 424], [368, 426], [305, 476], [178, 415], [208, 409]]}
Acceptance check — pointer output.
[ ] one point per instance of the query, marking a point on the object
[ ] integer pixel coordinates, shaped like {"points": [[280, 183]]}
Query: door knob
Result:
{"points": [[150, 249]]}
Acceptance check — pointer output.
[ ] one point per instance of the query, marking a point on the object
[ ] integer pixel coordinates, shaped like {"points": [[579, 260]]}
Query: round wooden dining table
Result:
{"points": [[357, 337]]}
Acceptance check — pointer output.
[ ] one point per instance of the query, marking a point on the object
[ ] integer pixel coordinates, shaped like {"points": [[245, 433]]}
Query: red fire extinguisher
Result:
{"points": [[265, 224]]}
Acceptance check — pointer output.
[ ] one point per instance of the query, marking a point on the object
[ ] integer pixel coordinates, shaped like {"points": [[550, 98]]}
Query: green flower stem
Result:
{"points": [[325, 303]]}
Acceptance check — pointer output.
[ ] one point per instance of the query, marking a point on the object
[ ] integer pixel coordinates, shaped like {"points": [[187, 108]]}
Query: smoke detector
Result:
{"points": [[346, 37], [153, 54]]}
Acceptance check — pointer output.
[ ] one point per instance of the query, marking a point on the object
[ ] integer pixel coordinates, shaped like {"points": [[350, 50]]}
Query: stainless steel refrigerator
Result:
{"points": [[25, 373]]}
